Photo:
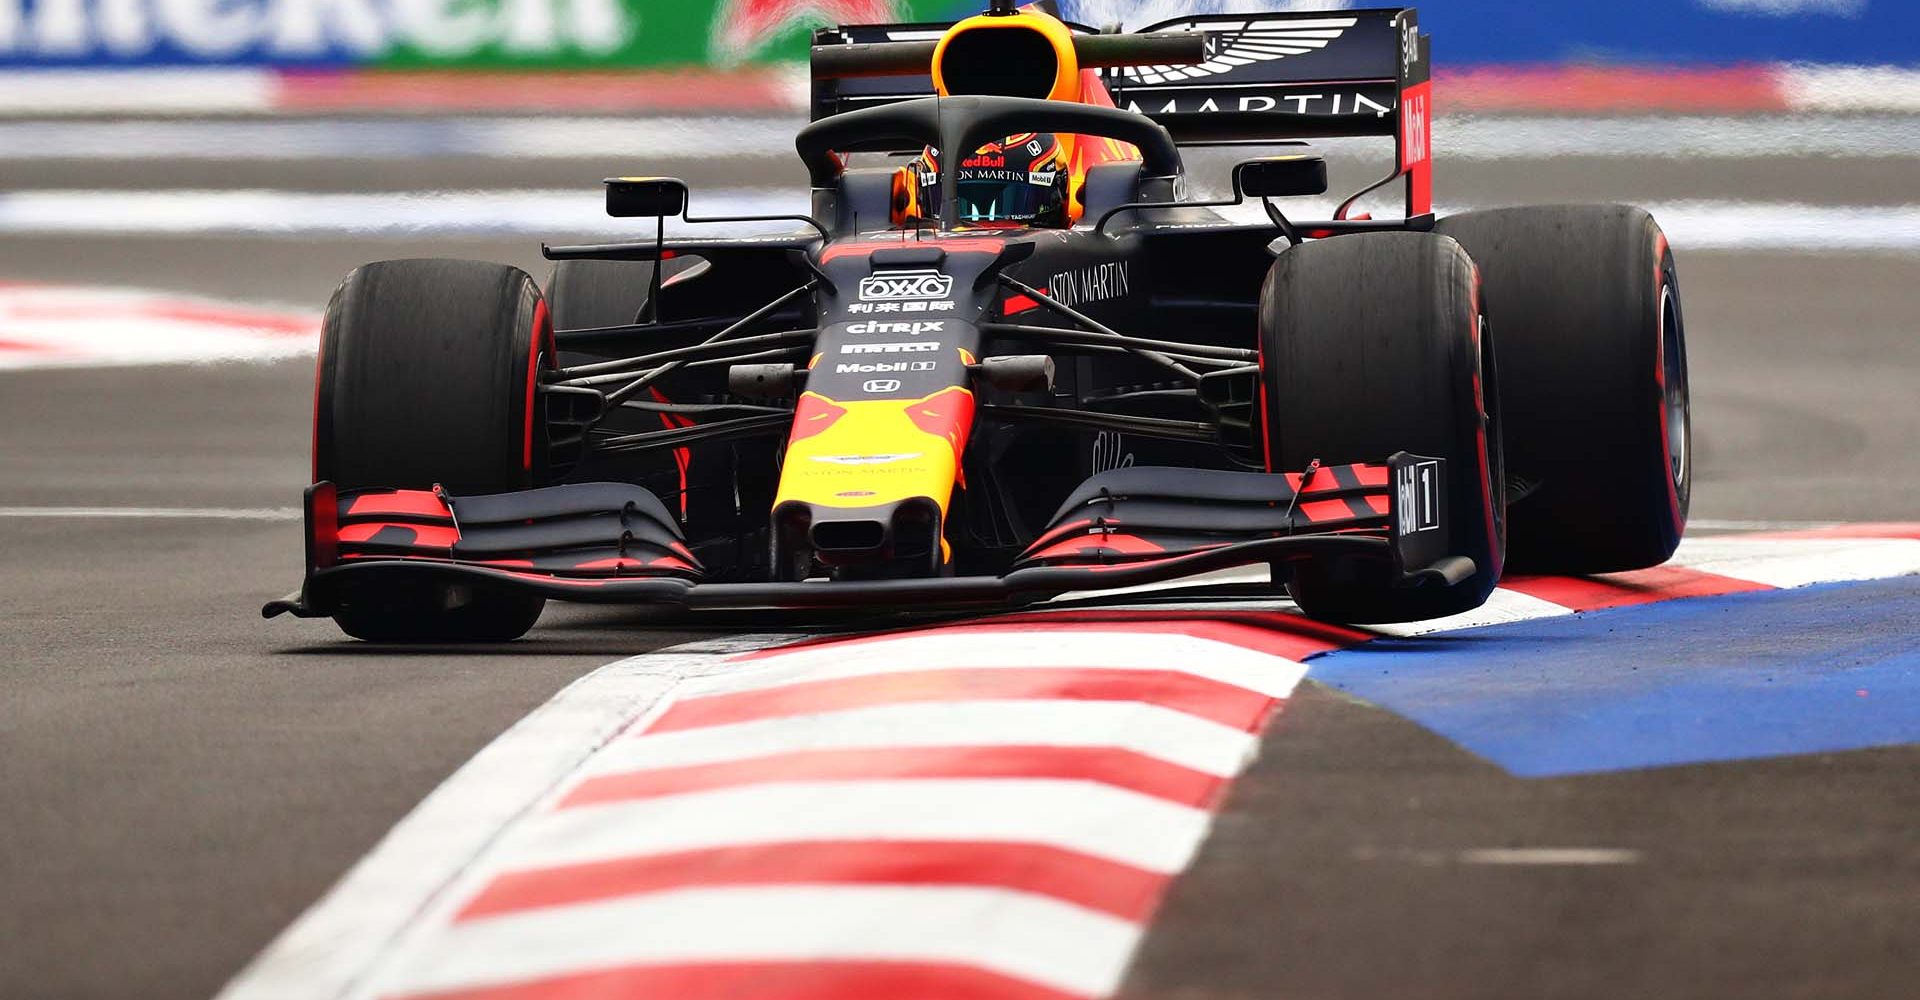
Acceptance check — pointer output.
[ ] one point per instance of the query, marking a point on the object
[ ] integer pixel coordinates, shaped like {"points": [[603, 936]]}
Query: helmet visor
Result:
{"points": [[1002, 201]]}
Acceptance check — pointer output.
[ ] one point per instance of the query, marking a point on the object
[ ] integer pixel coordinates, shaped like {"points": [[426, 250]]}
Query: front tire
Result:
{"points": [[426, 377], [1372, 344], [1585, 300]]}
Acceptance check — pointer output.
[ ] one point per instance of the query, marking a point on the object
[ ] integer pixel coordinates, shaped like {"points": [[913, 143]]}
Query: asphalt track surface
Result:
{"points": [[180, 779]]}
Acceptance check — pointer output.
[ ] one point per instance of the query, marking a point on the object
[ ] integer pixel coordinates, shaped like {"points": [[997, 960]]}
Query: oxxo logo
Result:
{"points": [[904, 329], [884, 367], [918, 347], [1418, 486], [898, 286], [880, 385]]}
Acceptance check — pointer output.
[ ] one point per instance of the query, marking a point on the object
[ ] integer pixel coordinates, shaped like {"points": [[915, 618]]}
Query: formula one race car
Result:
{"points": [[1019, 363]]}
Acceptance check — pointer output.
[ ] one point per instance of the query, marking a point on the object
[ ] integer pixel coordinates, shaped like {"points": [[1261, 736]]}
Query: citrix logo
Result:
{"points": [[913, 329]]}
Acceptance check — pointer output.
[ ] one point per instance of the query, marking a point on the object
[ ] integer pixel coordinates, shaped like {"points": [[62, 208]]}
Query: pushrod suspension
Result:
{"points": [[1089, 323]]}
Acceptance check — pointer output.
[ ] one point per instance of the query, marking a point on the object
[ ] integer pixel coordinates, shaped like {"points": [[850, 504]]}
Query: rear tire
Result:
{"points": [[1372, 344], [1585, 300], [426, 378]]}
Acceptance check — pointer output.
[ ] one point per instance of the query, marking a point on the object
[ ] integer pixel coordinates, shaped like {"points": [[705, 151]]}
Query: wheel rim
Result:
{"points": [[1675, 400]]}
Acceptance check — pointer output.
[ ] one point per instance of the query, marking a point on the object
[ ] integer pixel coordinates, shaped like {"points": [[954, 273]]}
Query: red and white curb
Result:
{"points": [[53, 326], [984, 810]]}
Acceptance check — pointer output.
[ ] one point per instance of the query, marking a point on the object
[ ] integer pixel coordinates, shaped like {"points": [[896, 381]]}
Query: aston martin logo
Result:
{"points": [[743, 27], [1255, 41]]}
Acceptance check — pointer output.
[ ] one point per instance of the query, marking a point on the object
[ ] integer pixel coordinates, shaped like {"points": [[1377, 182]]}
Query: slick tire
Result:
{"points": [[426, 377], [1585, 300], [1372, 344]]}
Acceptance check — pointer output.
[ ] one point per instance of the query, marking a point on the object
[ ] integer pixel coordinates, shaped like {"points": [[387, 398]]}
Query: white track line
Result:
{"points": [[188, 91], [159, 513], [1503, 607], [284, 140], [1798, 562], [55, 326], [1548, 856]]}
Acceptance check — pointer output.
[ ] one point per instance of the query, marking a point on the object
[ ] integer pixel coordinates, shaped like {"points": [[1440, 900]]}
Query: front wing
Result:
{"points": [[614, 543]]}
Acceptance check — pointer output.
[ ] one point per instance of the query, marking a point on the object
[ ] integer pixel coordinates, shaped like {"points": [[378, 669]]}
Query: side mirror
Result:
{"points": [[1282, 176], [646, 197]]}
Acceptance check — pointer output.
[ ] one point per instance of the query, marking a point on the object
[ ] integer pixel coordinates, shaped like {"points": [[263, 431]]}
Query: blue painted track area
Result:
{"points": [[1826, 668]]}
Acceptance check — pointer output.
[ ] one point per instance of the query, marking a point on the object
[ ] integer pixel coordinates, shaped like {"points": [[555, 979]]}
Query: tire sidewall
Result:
{"points": [[1382, 384]]}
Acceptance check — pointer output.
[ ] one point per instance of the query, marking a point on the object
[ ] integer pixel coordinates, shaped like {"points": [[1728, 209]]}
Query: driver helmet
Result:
{"points": [[1019, 181]]}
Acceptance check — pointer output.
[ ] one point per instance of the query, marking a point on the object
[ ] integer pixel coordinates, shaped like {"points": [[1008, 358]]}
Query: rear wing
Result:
{"points": [[1262, 78]]}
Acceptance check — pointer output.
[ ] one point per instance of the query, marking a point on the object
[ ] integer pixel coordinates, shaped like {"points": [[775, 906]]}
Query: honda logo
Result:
{"points": [[881, 385]]}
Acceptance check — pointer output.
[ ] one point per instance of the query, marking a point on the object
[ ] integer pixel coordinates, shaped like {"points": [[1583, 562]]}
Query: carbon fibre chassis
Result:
{"points": [[1123, 528]]}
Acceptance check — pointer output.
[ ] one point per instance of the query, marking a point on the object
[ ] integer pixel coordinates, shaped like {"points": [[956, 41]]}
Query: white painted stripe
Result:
{"points": [[1502, 607], [1692, 225], [1031, 937], [1798, 562], [1851, 88], [53, 326], [1160, 733], [1735, 524], [1083, 816], [259, 212], [1494, 137], [1273, 676], [143, 91], [160, 513], [1789, 226], [1549, 856], [521, 138], [1680, 137]]}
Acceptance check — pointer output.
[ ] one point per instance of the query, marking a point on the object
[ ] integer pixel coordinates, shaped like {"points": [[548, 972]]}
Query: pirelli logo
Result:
{"points": [[901, 286], [920, 347]]}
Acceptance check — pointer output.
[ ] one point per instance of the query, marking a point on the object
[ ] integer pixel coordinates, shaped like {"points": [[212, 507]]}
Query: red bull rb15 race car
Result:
{"points": [[1007, 357]]}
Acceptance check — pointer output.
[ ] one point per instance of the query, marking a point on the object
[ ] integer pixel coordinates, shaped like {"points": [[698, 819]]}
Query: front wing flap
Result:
{"points": [[616, 543]]}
